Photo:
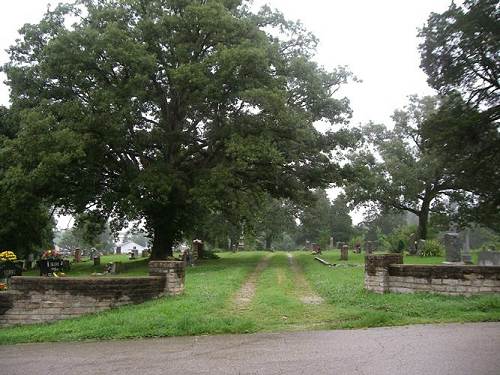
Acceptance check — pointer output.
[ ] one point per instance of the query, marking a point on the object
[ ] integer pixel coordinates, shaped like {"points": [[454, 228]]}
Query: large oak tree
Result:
{"points": [[157, 109]]}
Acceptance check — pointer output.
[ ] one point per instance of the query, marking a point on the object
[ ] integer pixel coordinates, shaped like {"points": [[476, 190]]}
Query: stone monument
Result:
{"points": [[78, 255], [453, 247], [344, 251], [412, 244]]}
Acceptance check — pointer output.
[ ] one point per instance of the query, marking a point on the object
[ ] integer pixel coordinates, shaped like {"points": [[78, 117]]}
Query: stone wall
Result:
{"points": [[386, 273], [174, 273], [43, 299]]}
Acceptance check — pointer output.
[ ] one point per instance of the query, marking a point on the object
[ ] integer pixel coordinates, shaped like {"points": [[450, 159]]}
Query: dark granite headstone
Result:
{"points": [[453, 247], [412, 244]]}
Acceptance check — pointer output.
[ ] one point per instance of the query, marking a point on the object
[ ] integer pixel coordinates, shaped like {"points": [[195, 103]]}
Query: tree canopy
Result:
{"points": [[398, 170], [26, 223], [461, 51], [158, 109]]}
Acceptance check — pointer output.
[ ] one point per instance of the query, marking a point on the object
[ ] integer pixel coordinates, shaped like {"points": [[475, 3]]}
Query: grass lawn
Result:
{"points": [[208, 307]]}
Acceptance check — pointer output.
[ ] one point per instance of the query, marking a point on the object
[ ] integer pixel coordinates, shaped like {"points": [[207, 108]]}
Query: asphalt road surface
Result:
{"points": [[469, 349]]}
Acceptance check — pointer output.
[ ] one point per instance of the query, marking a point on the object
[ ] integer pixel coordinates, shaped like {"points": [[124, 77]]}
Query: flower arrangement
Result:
{"points": [[7, 256], [3, 286], [51, 255]]}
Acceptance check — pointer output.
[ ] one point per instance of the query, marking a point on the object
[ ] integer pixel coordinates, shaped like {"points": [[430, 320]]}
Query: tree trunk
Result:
{"points": [[423, 219], [162, 244], [269, 242]]}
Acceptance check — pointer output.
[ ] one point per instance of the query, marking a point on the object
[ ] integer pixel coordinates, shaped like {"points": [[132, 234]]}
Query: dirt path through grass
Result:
{"points": [[245, 295], [306, 294]]}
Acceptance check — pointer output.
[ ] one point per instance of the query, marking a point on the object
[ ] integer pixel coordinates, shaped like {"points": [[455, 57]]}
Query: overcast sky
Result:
{"points": [[377, 40]]}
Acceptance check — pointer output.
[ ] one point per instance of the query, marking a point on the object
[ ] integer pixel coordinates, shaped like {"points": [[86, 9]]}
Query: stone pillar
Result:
{"points": [[377, 271], [344, 252], [331, 243], [198, 250], [453, 247], [174, 272], [78, 255]]}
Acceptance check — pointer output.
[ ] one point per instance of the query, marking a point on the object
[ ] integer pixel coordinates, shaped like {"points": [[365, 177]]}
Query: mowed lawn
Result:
{"points": [[208, 305]]}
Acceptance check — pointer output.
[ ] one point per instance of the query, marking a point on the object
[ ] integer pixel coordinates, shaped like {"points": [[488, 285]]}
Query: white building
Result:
{"points": [[129, 246]]}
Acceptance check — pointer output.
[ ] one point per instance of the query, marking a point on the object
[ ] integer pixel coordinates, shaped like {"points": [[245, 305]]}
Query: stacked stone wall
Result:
{"points": [[43, 299], [384, 273]]}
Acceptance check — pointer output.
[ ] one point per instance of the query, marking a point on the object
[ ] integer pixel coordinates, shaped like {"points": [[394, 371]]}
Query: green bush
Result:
{"points": [[432, 248]]}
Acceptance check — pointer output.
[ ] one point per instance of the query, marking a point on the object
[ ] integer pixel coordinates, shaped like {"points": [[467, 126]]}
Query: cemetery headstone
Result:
{"points": [[412, 244], [489, 258], [97, 260], [331, 242], [50, 266], [344, 251], [357, 248], [316, 248], [136, 252], [78, 255], [118, 249], [453, 247], [420, 246]]}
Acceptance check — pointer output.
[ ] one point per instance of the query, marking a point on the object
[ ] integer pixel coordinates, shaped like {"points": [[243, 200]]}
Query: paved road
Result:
{"points": [[469, 349]]}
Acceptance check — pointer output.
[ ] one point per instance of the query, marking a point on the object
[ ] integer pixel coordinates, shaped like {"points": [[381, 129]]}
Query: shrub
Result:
{"points": [[432, 248], [397, 241]]}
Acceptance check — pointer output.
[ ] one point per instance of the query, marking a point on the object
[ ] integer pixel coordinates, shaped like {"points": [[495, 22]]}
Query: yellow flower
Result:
{"points": [[7, 255]]}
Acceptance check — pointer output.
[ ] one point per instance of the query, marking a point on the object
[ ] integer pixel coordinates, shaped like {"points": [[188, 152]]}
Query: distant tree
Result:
{"points": [[384, 222], [323, 219], [274, 220], [86, 235], [315, 220], [401, 172], [156, 110], [340, 220]]}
